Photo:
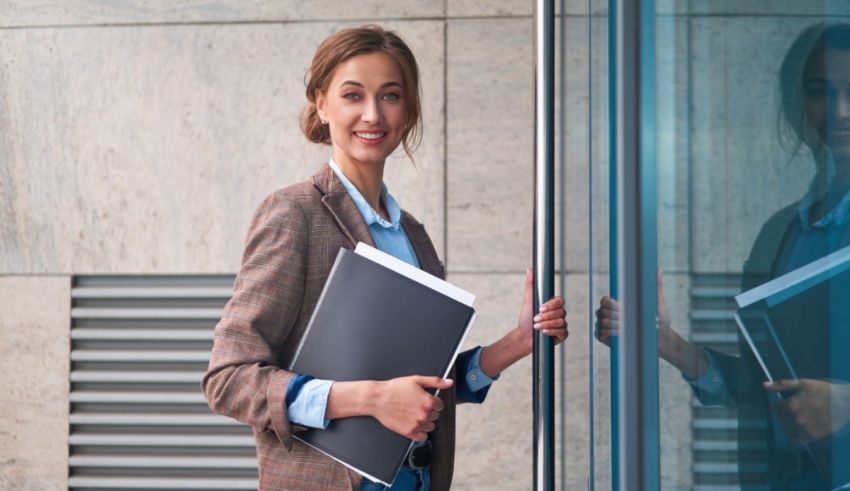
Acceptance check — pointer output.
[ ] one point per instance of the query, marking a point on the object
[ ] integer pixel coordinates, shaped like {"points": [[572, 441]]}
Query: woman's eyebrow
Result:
{"points": [[391, 83]]}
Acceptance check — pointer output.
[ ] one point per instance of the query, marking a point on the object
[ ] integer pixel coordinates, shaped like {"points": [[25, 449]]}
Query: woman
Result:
{"points": [[815, 90], [363, 100]]}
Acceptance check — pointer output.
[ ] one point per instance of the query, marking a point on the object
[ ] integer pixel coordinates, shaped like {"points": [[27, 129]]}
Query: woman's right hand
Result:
{"points": [[673, 348], [405, 407], [608, 318]]}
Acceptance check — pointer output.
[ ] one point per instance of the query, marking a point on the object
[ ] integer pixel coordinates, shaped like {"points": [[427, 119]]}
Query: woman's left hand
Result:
{"points": [[816, 409], [551, 320]]}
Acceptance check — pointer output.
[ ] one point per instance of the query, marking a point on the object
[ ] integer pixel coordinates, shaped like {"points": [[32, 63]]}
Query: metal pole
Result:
{"points": [[544, 241], [636, 249]]}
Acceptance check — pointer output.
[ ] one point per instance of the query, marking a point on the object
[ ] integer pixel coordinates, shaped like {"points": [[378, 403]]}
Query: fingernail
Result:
{"points": [[536, 318], [537, 326]]}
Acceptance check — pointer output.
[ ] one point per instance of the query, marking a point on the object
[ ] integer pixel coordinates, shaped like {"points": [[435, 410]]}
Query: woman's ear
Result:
{"points": [[320, 103]]}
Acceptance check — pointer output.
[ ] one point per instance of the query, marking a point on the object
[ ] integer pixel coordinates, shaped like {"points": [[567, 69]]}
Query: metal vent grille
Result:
{"points": [[715, 429], [139, 347]]}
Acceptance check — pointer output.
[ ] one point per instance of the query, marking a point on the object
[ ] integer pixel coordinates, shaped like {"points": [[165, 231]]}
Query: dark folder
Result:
{"points": [[796, 326], [378, 318]]}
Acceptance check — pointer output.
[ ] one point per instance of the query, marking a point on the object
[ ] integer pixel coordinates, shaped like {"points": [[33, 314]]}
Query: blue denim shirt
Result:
{"points": [[310, 405]]}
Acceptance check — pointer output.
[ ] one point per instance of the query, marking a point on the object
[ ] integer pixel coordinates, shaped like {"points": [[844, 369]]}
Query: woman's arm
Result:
{"points": [[243, 380], [400, 404], [688, 358], [517, 343]]}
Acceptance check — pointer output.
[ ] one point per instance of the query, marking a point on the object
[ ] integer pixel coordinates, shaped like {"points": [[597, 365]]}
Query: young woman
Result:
{"points": [[363, 101], [815, 91]]}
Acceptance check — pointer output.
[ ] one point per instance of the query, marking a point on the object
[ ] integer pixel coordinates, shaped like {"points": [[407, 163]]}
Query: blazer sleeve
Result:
{"points": [[244, 379]]}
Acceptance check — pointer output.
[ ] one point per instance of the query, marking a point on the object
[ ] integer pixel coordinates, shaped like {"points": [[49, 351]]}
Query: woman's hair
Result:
{"points": [[347, 44], [795, 129]]}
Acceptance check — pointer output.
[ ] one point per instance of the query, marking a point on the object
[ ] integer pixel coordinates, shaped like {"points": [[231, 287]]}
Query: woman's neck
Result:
{"points": [[367, 178]]}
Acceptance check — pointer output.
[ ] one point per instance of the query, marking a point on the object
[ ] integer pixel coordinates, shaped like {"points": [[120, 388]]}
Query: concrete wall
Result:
{"points": [[137, 137], [35, 341]]}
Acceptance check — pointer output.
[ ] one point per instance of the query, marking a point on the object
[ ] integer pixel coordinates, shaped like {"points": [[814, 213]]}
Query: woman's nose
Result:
{"points": [[371, 111], [842, 105]]}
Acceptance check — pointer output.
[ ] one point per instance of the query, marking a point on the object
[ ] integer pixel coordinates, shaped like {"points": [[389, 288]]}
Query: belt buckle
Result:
{"points": [[419, 456]]}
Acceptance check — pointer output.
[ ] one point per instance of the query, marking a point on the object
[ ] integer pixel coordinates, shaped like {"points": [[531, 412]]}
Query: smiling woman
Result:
{"points": [[363, 101]]}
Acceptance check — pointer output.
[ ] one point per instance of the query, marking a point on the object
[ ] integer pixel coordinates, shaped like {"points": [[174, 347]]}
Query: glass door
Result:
{"points": [[732, 143], [705, 151]]}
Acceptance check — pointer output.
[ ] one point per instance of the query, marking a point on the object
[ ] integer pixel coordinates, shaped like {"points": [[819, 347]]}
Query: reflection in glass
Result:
{"points": [[792, 433]]}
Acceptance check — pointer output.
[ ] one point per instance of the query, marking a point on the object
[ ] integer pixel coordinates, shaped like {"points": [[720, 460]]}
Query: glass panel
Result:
{"points": [[753, 172], [585, 450]]}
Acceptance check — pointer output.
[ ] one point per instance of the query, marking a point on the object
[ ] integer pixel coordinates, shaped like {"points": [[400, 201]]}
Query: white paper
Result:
{"points": [[415, 274]]}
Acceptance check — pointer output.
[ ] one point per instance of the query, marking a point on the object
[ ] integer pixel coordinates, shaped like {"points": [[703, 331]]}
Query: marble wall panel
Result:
{"points": [[490, 106], [34, 373], [494, 439], [20, 13], [512, 8], [740, 173], [583, 144], [756, 7], [489, 137], [672, 144], [146, 149]]}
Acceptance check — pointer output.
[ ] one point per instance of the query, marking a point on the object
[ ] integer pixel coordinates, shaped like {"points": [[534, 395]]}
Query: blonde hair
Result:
{"points": [[347, 44]]}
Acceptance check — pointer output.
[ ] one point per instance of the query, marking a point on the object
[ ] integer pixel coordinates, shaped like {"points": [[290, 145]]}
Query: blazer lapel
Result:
{"points": [[422, 246], [340, 205]]}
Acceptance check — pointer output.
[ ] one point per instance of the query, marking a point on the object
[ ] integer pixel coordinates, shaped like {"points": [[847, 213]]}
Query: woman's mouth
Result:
{"points": [[370, 137]]}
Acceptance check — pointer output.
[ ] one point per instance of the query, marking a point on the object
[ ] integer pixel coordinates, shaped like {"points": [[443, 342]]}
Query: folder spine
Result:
{"points": [[342, 252]]}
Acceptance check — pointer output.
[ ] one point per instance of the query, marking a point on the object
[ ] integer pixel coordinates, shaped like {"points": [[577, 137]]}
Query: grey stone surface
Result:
{"points": [[490, 144], [740, 174], [147, 149], [490, 152], [672, 144], [34, 373], [17, 13], [507, 8], [494, 439], [757, 7]]}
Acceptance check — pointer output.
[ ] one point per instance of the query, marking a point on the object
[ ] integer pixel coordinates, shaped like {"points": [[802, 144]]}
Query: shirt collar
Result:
{"points": [[839, 215], [369, 214]]}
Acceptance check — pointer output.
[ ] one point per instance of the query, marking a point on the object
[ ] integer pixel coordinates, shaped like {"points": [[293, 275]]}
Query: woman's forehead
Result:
{"points": [[829, 65]]}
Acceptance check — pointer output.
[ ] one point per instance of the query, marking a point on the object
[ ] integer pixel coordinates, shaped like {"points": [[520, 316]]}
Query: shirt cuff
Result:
{"points": [[475, 378], [711, 382], [309, 407]]}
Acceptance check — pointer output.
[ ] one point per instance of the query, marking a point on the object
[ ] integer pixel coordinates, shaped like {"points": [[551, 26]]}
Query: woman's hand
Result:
{"points": [[400, 404], [551, 321], [403, 405], [517, 343], [608, 318], [673, 348], [816, 410]]}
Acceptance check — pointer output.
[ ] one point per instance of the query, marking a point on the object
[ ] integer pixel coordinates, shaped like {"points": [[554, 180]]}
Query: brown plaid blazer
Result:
{"points": [[291, 245]]}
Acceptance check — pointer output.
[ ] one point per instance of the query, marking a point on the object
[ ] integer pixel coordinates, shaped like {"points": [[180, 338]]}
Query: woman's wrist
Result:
{"points": [[512, 347], [348, 399], [682, 354]]}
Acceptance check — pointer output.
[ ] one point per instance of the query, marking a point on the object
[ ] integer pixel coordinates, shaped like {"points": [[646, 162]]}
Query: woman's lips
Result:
{"points": [[370, 137]]}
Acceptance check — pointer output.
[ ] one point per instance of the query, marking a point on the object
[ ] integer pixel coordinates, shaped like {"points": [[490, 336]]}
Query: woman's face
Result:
{"points": [[826, 87], [364, 108]]}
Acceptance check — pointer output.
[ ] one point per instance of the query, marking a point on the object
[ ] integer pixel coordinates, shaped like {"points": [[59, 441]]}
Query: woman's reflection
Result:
{"points": [[815, 113]]}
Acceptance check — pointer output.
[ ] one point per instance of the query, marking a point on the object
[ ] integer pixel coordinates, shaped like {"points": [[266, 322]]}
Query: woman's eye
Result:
{"points": [[815, 92], [351, 96], [392, 96]]}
